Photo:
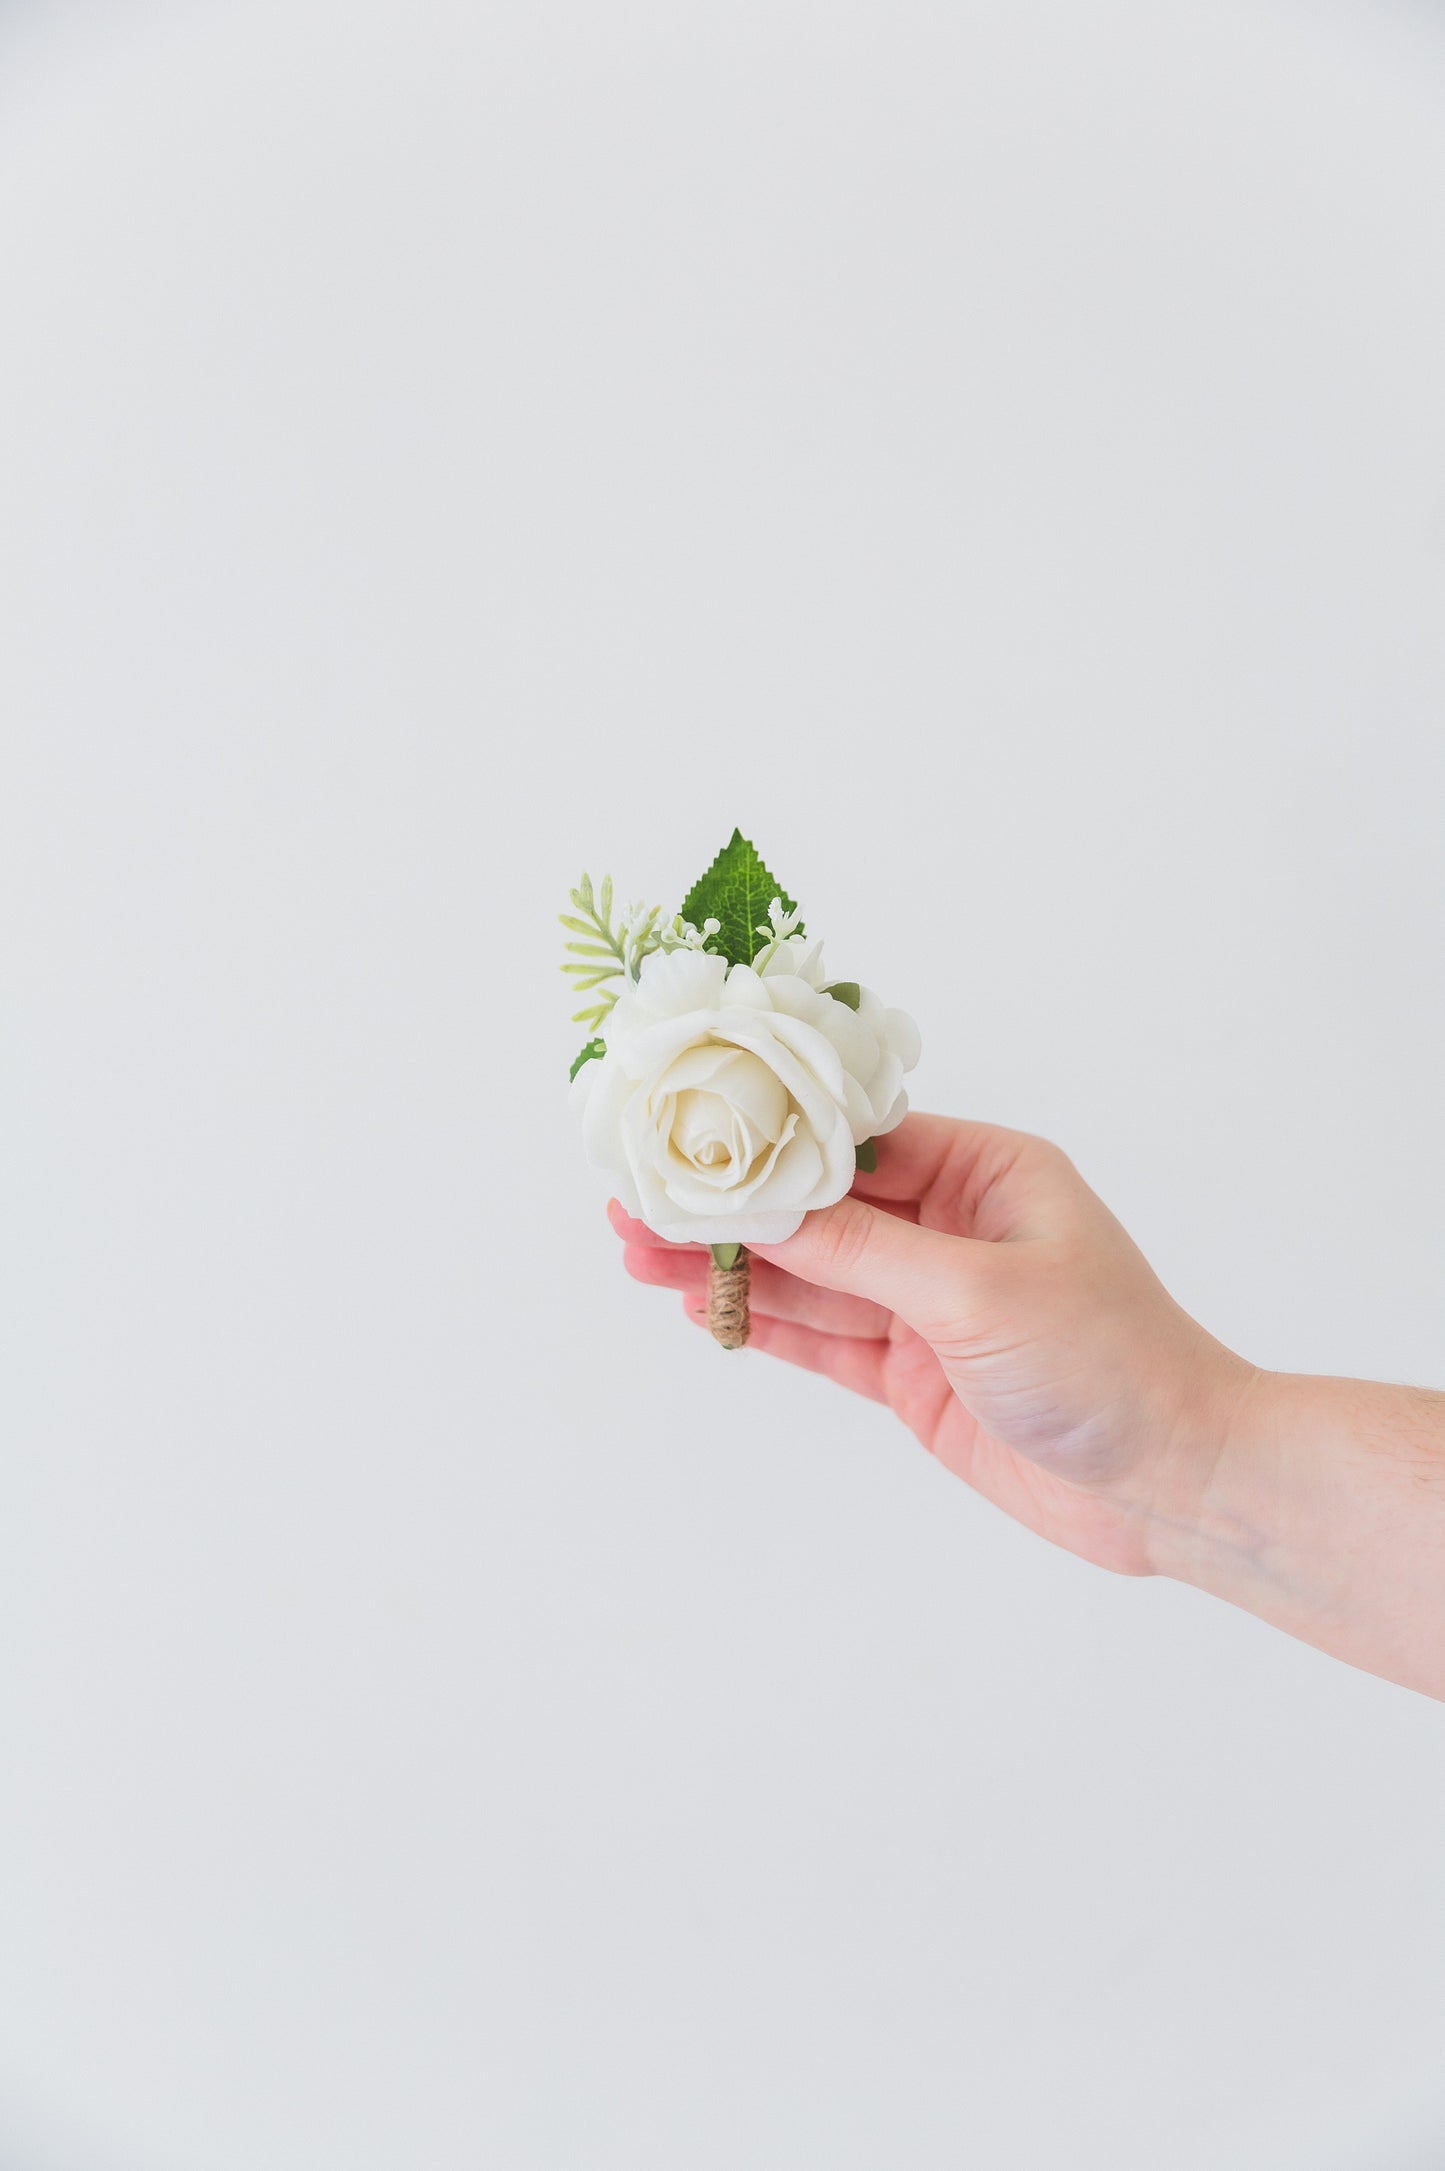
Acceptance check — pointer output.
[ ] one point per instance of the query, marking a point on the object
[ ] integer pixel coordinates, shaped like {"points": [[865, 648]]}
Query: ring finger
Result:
{"points": [[772, 1293]]}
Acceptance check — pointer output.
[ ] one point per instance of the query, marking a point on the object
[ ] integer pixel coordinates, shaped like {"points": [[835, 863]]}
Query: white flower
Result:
{"points": [[680, 934], [729, 1102], [638, 936], [779, 931]]}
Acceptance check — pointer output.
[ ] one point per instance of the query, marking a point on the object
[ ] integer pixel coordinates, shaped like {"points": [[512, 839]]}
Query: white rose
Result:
{"points": [[729, 1102]]}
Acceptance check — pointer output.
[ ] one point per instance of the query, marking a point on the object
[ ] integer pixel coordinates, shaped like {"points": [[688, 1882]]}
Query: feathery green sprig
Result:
{"points": [[718, 916], [604, 953]]}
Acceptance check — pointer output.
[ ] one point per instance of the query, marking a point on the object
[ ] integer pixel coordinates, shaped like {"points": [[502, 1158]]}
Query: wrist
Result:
{"points": [[1207, 1512], [1320, 1506]]}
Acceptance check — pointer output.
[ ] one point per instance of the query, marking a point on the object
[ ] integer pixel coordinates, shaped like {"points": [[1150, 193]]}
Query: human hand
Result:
{"points": [[975, 1284]]}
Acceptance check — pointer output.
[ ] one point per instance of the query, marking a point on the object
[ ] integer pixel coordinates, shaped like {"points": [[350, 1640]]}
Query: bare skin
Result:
{"points": [[977, 1285]]}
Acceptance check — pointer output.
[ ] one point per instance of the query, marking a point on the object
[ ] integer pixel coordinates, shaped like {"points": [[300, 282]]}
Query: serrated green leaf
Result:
{"points": [[736, 891], [867, 1156], [593, 1049], [846, 992], [725, 1255]]}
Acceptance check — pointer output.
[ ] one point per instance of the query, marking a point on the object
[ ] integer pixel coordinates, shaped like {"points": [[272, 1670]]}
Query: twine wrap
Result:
{"points": [[727, 1301]]}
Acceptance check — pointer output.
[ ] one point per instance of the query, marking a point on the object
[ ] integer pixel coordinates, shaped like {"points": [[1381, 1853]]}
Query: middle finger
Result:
{"points": [[772, 1292]]}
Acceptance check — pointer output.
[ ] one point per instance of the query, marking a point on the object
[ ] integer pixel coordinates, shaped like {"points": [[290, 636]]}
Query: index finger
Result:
{"points": [[633, 1231], [912, 1158]]}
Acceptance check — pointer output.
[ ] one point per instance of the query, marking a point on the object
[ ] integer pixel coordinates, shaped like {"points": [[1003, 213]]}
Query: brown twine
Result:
{"points": [[727, 1301]]}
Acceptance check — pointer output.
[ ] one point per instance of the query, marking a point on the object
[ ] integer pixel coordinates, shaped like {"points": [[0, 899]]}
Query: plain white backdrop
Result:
{"points": [[450, 1715]]}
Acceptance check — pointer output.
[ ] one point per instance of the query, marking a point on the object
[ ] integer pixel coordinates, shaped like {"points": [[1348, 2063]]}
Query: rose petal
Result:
{"points": [[753, 1086], [729, 1101]]}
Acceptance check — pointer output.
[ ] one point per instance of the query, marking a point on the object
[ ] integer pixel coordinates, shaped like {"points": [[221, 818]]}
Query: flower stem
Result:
{"points": [[728, 1318]]}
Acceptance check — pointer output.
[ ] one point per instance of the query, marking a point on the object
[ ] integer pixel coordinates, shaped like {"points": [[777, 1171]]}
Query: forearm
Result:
{"points": [[1321, 1507]]}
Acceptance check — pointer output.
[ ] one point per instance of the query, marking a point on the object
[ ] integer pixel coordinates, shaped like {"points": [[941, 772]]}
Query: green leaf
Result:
{"points": [[726, 1255], [846, 992], [867, 1155], [736, 890], [592, 1049]]}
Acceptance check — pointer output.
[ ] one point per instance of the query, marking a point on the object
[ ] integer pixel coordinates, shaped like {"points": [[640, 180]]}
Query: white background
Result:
{"points": [[450, 1716]]}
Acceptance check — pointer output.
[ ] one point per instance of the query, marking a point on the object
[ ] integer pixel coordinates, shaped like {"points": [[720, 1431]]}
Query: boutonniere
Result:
{"points": [[729, 1086]]}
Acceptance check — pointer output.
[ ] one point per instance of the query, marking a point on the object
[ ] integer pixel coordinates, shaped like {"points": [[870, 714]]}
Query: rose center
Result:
{"points": [[707, 1132], [721, 1128]]}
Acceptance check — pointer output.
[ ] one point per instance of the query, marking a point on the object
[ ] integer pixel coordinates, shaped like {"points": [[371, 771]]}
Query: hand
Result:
{"points": [[976, 1284]]}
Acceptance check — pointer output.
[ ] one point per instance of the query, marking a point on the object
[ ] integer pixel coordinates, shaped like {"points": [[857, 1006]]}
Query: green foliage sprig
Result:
{"points": [[737, 891], [605, 952], [589, 1054], [736, 910]]}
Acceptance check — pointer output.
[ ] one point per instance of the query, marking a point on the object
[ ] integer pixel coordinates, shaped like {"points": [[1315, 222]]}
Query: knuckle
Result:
{"points": [[844, 1235], [1063, 1170], [1047, 1164]]}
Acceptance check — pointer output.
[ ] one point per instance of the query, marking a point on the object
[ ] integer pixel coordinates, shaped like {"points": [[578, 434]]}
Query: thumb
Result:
{"points": [[921, 1274]]}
